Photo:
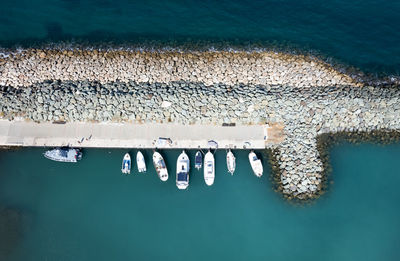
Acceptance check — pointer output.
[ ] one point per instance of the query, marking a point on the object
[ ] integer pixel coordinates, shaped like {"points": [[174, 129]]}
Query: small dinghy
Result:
{"points": [[141, 163], [209, 168], [255, 163], [198, 160], [159, 165], [230, 162], [126, 164], [182, 171]]}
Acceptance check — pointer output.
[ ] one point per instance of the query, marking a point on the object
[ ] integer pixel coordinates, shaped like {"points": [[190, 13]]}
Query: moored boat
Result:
{"points": [[141, 163], [209, 168], [256, 164], [230, 162], [198, 160], [182, 171], [126, 164], [64, 154], [159, 165]]}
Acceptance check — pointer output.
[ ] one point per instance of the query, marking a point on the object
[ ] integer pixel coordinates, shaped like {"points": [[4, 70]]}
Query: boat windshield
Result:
{"points": [[161, 163]]}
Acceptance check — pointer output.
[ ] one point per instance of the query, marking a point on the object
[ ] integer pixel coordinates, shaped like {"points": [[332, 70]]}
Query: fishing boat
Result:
{"points": [[64, 154], [255, 163], [141, 163], [126, 164], [198, 160], [182, 171], [159, 165], [230, 162], [209, 168]]}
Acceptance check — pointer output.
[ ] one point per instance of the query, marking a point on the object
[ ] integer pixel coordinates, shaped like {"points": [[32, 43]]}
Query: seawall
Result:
{"points": [[32, 66]]}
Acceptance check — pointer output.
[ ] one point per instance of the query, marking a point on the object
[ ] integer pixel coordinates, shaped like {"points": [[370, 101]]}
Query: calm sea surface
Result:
{"points": [[363, 33], [89, 211]]}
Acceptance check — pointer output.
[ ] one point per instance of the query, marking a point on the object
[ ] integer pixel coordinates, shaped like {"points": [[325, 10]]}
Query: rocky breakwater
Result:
{"points": [[31, 66], [305, 113]]}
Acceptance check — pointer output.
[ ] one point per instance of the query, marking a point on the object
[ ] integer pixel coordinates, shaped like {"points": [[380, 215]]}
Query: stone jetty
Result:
{"points": [[302, 94], [34, 66]]}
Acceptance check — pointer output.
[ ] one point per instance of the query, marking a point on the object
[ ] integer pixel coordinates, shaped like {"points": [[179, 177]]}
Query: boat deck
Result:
{"points": [[129, 135]]}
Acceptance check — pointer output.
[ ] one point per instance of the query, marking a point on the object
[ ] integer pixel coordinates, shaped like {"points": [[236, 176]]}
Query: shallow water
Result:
{"points": [[364, 33], [89, 211]]}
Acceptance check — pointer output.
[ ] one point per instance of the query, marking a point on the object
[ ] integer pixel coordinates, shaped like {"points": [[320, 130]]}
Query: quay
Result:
{"points": [[129, 135]]}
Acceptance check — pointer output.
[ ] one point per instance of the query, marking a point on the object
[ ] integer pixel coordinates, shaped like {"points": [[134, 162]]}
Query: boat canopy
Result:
{"points": [[198, 159], [126, 163], [63, 153], [182, 176]]}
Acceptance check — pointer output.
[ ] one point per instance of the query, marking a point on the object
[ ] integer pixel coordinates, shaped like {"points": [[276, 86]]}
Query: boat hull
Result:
{"points": [[256, 164], [182, 171], [64, 155], [209, 169], [198, 160], [126, 164], [230, 162], [159, 165], [140, 162]]}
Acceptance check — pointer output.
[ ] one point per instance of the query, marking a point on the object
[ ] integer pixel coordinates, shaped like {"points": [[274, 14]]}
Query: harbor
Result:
{"points": [[178, 101], [199, 130], [187, 115], [66, 136]]}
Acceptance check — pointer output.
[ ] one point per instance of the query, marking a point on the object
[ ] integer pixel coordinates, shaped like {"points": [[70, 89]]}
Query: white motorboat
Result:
{"points": [[141, 163], [64, 154], [209, 168], [159, 165], [230, 162], [182, 171], [256, 164], [126, 164]]}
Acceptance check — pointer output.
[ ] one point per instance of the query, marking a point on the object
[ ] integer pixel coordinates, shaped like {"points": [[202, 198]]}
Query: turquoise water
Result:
{"points": [[364, 33], [89, 211]]}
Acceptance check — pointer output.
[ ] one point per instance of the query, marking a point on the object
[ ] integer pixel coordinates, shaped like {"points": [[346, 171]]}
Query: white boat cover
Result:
{"points": [[159, 165], [141, 163], [256, 164], [230, 162], [209, 168]]}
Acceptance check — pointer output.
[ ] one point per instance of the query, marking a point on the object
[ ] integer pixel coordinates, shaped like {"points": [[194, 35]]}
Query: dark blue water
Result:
{"points": [[365, 34], [89, 211]]}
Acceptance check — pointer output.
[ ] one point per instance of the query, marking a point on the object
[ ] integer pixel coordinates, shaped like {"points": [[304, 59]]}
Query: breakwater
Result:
{"points": [[317, 100], [31, 66]]}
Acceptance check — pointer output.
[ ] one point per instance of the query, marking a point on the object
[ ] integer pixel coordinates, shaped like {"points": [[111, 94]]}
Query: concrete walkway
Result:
{"points": [[128, 135]]}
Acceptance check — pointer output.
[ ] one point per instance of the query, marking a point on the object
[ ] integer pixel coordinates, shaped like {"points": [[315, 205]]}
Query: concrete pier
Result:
{"points": [[128, 135]]}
